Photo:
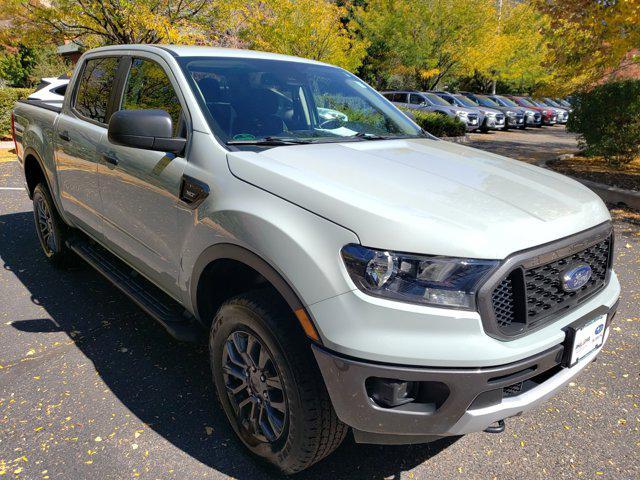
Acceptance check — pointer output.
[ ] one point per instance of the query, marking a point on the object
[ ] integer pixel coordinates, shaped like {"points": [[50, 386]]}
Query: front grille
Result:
{"points": [[473, 118], [499, 118], [527, 296]]}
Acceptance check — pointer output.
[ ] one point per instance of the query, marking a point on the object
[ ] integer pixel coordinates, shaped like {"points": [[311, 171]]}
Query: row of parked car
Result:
{"points": [[486, 112]]}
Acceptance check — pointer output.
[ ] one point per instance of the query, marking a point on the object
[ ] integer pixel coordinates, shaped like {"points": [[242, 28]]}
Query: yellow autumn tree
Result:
{"points": [[104, 22], [588, 38], [306, 28], [422, 42], [518, 50]]}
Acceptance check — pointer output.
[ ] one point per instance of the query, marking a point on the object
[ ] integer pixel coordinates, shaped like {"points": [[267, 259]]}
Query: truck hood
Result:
{"points": [[425, 196]]}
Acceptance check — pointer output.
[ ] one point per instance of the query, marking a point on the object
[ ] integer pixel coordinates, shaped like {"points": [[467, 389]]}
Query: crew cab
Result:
{"points": [[347, 270]]}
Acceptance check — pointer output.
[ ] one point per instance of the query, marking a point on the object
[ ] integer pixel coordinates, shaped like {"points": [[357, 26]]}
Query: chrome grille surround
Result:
{"points": [[524, 293]]}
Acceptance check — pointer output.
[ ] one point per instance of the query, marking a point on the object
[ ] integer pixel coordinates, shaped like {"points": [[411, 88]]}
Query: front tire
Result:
{"points": [[50, 228], [269, 384]]}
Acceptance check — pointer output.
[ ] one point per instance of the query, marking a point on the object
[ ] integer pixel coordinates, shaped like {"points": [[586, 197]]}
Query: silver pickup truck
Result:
{"points": [[348, 270]]}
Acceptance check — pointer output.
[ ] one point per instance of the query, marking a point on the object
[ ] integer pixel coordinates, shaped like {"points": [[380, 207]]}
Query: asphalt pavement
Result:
{"points": [[92, 388], [530, 145]]}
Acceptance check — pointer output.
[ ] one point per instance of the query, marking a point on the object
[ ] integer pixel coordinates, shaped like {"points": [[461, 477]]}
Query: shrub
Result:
{"points": [[607, 120], [8, 96], [437, 124], [15, 67]]}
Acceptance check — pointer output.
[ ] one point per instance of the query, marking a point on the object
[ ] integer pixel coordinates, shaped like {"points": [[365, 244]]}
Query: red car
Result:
{"points": [[549, 116]]}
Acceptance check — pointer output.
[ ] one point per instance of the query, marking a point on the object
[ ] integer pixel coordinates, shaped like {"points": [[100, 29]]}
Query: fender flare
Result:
{"points": [[229, 251], [54, 193], [29, 151]]}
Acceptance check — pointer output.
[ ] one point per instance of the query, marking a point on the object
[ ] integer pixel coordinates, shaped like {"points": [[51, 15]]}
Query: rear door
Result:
{"points": [[140, 188], [80, 130]]}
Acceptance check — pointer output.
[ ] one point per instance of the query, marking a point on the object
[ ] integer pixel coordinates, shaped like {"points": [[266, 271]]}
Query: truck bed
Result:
{"points": [[41, 104]]}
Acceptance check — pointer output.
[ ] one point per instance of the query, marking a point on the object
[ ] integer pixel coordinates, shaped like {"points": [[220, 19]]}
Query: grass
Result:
{"points": [[598, 170], [7, 155]]}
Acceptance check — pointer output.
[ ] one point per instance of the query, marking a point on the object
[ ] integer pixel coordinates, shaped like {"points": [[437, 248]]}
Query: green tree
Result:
{"points": [[47, 63], [423, 42], [15, 67]]}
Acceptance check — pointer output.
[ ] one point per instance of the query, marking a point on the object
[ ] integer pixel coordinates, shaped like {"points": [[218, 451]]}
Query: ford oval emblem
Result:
{"points": [[576, 277], [599, 328]]}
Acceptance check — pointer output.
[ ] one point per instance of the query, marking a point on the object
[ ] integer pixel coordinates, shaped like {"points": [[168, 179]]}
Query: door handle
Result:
{"points": [[64, 135], [110, 159]]}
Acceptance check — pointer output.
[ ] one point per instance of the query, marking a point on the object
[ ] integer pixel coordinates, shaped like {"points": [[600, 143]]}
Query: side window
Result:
{"points": [[148, 87], [401, 97], [416, 99], [94, 89]]}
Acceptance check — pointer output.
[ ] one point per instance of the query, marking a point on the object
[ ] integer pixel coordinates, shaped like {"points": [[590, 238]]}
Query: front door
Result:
{"points": [[140, 188]]}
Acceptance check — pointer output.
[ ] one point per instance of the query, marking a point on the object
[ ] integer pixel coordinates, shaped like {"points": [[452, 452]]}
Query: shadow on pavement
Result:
{"points": [[164, 383]]}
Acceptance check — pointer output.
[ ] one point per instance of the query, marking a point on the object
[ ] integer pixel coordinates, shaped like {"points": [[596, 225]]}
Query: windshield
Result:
{"points": [[252, 99], [486, 101], [548, 101], [507, 102], [465, 101], [436, 100], [539, 103], [527, 103]]}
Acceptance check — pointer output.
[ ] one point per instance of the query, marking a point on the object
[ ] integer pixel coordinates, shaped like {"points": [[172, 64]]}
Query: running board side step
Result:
{"points": [[179, 323]]}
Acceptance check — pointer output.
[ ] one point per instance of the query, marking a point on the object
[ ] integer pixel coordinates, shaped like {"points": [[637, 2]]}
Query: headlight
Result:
{"points": [[461, 113], [429, 280], [530, 113], [511, 113], [490, 114]]}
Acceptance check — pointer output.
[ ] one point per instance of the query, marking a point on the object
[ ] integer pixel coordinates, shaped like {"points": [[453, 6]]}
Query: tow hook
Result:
{"points": [[497, 427]]}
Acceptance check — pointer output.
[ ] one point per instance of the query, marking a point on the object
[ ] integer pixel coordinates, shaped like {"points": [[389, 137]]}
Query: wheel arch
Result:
{"points": [[34, 170], [240, 269]]}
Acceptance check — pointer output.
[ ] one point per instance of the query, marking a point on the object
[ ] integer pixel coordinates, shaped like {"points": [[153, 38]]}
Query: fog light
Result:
{"points": [[389, 393]]}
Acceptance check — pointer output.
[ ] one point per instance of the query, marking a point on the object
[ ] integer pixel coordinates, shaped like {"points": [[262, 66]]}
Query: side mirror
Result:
{"points": [[147, 129]]}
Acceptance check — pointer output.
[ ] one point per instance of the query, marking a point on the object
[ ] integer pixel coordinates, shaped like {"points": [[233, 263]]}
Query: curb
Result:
{"points": [[461, 139], [613, 195]]}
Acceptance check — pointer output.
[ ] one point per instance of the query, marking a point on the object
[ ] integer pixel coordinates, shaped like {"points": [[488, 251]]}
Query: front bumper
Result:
{"points": [[534, 120], [448, 401], [515, 121], [494, 123]]}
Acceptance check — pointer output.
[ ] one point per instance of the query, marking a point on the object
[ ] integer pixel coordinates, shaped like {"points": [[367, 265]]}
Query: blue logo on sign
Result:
{"points": [[599, 329], [576, 278]]}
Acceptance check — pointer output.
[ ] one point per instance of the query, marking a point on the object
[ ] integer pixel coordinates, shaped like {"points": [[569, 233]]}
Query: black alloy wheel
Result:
{"points": [[50, 228], [254, 387]]}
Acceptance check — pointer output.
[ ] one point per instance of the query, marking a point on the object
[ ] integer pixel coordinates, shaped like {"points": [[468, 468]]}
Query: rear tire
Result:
{"points": [[269, 385], [50, 228]]}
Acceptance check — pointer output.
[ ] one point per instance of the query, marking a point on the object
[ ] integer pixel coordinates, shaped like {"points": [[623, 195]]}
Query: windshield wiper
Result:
{"points": [[270, 141], [371, 136]]}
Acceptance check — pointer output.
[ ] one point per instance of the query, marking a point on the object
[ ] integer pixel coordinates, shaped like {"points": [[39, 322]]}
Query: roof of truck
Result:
{"points": [[202, 51]]}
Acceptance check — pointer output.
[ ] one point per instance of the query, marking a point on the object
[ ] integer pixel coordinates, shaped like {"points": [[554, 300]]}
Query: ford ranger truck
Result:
{"points": [[349, 271]]}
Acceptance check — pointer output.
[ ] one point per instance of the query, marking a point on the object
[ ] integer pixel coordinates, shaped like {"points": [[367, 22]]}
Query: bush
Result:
{"points": [[15, 67], [9, 96], [437, 124], [607, 120]]}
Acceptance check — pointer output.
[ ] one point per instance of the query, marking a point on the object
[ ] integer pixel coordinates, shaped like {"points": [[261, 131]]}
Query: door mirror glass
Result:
{"points": [[146, 129]]}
